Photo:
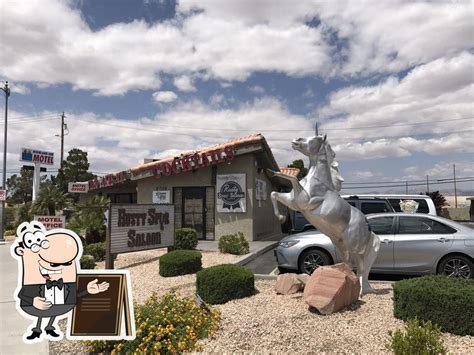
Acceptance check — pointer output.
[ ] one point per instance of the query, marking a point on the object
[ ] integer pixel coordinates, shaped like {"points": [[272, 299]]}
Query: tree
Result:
{"points": [[438, 200], [88, 219], [20, 188], [51, 199], [75, 169], [299, 164]]}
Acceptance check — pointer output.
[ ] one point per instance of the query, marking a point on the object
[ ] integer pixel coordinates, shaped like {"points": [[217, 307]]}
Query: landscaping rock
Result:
{"points": [[304, 278], [331, 288], [288, 284]]}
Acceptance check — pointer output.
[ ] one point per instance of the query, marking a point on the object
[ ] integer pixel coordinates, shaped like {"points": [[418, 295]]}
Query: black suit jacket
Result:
{"points": [[28, 292]]}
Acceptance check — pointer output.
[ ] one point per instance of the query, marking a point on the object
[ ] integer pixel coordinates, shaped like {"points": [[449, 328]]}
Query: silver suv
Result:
{"points": [[367, 205]]}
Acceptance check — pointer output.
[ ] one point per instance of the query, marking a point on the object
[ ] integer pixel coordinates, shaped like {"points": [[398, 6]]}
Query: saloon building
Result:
{"points": [[219, 190]]}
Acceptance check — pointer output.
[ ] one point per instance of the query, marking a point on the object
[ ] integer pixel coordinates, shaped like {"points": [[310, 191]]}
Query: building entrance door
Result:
{"points": [[194, 209]]}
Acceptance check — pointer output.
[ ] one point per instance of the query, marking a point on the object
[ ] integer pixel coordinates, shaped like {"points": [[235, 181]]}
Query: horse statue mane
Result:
{"points": [[336, 178]]}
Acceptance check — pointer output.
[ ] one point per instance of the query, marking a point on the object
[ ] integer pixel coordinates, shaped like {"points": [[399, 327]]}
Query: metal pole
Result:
{"points": [[36, 181], [455, 190], [6, 90], [316, 129], [62, 142], [427, 184], [406, 187]]}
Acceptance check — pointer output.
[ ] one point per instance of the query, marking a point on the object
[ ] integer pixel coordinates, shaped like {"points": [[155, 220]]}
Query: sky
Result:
{"points": [[389, 82]]}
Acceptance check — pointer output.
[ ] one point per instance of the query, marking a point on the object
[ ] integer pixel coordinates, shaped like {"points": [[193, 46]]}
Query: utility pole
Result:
{"points": [[316, 129], [6, 90], [427, 184], [455, 190], [406, 187]]}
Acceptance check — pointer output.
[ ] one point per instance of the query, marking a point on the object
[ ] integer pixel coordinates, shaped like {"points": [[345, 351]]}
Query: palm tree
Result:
{"points": [[88, 219], [51, 199]]}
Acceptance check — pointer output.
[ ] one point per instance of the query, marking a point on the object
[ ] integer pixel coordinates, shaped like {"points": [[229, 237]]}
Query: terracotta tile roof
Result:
{"points": [[290, 171], [254, 138]]}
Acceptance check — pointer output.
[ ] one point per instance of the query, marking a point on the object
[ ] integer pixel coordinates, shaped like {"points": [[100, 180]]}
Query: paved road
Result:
{"points": [[12, 324], [266, 263]]}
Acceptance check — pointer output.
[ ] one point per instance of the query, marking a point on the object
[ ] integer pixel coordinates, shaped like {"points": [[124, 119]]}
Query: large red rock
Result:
{"points": [[288, 284], [331, 288]]}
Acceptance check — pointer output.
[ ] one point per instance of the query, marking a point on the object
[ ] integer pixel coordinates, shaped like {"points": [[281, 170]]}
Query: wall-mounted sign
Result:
{"points": [[52, 222], [140, 227], [194, 161], [78, 187], [260, 190], [37, 156], [3, 195], [231, 193], [108, 180], [161, 197]]}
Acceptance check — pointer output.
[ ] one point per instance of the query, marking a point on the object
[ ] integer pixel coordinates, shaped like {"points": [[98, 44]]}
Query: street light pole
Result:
{"points": [[6, 90]]}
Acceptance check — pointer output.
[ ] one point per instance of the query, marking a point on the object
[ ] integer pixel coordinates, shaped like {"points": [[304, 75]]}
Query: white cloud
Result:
{"points": [[257, 89], [226, 41], [164, 96], [184, 83]]}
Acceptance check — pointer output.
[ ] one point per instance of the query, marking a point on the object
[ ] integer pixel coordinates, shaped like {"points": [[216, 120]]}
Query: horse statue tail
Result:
{"points": [[336, 178]]}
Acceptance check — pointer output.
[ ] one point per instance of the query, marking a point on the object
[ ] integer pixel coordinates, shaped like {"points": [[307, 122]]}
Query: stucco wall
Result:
{"points": [[265, 222], [230, 223], [200, 177]]}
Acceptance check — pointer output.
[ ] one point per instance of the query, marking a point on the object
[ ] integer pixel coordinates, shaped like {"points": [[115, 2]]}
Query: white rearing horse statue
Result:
{"points": [[317, 198]]}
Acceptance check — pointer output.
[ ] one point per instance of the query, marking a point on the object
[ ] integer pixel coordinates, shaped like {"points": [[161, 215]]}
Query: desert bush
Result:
{"points": [[234, 244], [222, 283], [97, 250], [87, 262], [186, 238], [180, 262], [167, 326], [447, 302], [424, 338]]}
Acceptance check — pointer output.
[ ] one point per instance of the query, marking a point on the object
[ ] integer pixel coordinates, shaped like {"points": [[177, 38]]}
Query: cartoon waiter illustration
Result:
{"points": [[48, 264]]}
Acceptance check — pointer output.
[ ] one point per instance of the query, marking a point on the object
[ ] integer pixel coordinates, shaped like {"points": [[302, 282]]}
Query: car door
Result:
{"points": [[419, 243], [384, 227]]}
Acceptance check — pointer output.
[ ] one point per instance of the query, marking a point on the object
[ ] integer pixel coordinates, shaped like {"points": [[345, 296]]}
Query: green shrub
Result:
{"points": [[186, 238], [180, 262], [447, 302], [234, 244], [222, 283], [87, 262], [167, 326], [97, 250], [417, 339]]}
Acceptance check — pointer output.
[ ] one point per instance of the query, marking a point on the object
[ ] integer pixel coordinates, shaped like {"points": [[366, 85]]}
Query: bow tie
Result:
{"points": [[58, 284]]}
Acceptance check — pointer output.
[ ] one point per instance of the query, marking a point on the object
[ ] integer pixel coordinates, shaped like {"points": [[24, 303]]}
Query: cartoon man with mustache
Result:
{"points": [[49, 262]]}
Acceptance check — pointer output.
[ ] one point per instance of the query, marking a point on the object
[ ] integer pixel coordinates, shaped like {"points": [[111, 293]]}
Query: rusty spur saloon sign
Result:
{"points": [[194, 161], [135, 227]]}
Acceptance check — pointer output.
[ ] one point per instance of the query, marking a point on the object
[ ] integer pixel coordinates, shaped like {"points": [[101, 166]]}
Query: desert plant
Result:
{"points": [[234, 244], [418, 339], [222, 283], [51, 199], [445, 301], [87, 262], [88, 219], [97, 250], [180, 262], [186, 238], [171, 325]]}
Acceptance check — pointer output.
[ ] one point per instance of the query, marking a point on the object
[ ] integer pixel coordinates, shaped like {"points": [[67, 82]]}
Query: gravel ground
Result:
{"points": [[144, 272], [268, 322]]}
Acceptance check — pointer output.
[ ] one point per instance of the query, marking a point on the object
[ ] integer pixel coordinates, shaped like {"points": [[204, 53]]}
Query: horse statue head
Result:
{"points": [[317, 148]]}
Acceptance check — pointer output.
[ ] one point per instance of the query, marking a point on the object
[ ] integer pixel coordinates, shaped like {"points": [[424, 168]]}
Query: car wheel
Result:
{"points": [[457, 266], [311, 259]]}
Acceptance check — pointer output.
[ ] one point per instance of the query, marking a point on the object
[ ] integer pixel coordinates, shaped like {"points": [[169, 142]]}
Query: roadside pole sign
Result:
{"points": [[52, 222], [37, 156], [3, 195]]}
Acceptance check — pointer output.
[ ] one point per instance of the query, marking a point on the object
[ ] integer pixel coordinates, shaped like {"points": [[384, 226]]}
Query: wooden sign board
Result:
{"points": [[106, 315], [135, 227]]}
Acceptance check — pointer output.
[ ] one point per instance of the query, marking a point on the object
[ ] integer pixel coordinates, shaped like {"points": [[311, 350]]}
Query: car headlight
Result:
{"points": [[289, 243]]}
